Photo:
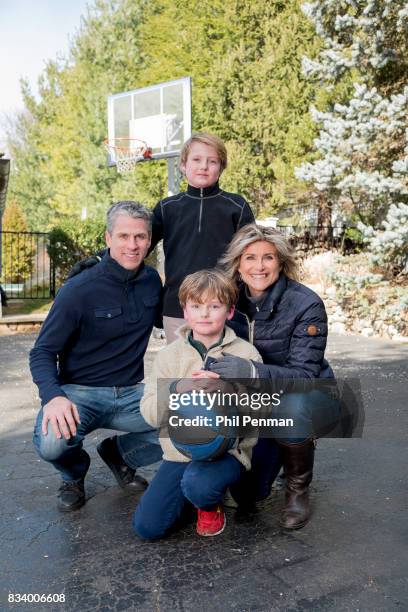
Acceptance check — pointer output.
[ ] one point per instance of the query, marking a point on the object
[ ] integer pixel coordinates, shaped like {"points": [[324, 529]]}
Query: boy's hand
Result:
{"points": [[204, 374], [231, 366], [84, 264], [200, 380], [213, 382]]}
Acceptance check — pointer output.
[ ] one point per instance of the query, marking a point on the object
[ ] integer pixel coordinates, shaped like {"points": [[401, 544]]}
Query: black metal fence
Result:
{"points": [[26, 270]]}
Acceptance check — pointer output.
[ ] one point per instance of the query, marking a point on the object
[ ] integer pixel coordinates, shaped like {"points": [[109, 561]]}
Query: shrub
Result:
{"points": [[69, 243], [17, 254], [389, 247]]}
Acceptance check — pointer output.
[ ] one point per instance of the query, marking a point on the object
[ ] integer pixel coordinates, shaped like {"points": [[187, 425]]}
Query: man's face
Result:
{"points": [[207, 318], [203, 166], [129, 241]]}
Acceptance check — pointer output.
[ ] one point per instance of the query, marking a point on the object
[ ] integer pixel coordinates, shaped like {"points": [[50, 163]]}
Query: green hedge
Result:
{"points": [[69, 243]]}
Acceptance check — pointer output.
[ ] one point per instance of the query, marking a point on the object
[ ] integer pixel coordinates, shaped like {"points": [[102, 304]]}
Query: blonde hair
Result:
{"points": [[208, 139], [251, 233], [208, 284]]}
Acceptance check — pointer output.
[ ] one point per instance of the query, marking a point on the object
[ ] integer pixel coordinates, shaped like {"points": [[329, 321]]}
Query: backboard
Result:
{"points": [[160, 115]]}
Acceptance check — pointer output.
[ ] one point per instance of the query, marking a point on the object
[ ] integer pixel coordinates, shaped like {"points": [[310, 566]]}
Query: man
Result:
{"points": [[88, 360]]}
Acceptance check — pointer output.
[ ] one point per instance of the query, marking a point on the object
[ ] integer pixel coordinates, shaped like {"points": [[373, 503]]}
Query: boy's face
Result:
{"points": [[207, 319], [203, 166]]}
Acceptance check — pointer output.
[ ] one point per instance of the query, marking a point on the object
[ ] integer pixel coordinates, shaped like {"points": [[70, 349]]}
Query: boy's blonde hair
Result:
{"points": [[208, 284], [208, 139]]}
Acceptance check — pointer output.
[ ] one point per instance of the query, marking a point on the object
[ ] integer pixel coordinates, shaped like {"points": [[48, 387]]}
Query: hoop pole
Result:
{"points": [[171, 183], [173, 176]]}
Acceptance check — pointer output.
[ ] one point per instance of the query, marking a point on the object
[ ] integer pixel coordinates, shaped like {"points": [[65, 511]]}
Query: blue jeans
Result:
{"points": [[202, 483], [107, 407], [313, 414]]}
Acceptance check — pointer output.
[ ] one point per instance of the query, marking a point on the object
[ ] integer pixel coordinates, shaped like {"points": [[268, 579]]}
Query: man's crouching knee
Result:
{"points": [[49, 447]]}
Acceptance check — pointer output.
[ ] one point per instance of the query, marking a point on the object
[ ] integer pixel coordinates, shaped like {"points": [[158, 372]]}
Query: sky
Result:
{"points": [[31, 33]]}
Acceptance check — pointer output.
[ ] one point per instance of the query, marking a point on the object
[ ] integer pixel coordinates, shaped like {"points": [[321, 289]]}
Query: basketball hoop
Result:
{"points": [[127, 152]]}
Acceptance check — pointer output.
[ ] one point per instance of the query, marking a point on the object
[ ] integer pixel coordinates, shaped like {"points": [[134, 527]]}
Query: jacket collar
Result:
{"points": [[273, 296], [206, 192], [229, 334], [200, 347], [115, 271]]}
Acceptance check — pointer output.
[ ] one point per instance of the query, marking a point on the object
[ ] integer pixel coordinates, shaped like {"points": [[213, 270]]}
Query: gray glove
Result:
{"points": [[231, 366]]}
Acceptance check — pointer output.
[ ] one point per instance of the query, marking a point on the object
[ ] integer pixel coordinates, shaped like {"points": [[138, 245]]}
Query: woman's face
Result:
{"points": [[259, 266]]}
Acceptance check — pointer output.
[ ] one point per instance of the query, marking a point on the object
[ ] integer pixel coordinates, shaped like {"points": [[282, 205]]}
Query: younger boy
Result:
{"points": [[197, 225], [207, 299]]}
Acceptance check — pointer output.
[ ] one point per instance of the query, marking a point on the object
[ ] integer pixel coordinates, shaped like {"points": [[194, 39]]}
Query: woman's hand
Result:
{"points": [[231, 366]]}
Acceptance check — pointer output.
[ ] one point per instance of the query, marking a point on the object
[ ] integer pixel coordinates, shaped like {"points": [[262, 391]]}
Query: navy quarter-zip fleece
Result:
{"points": [[97, 330], [196, 227]]}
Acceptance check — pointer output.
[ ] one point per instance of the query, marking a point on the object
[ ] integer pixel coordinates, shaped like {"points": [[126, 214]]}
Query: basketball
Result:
{"points": [[194, 431]]}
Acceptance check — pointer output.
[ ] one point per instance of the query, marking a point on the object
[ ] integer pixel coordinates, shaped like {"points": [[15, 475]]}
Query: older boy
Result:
{"points": [[197, 225], [207, 299]]}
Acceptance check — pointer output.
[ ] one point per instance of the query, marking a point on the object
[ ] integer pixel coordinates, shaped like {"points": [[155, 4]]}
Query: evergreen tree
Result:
{"points": [[363, 142], [389, 245], [258, 100], [244, 60], [17, 250]]}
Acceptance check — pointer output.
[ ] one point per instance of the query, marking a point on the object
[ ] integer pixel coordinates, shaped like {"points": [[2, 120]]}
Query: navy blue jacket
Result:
{"points": [[289, 331], [196, 227], [97, 330]]}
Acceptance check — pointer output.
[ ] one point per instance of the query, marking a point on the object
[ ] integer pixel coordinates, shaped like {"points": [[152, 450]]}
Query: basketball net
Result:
{"points": [[127, 152]]}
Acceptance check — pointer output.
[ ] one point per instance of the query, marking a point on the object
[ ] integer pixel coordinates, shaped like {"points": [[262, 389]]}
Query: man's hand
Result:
{"points": [[63, 416], [231, 366]]}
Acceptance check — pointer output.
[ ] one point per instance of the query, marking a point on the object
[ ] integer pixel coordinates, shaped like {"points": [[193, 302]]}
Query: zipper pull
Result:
{"points": [[201, 209]]}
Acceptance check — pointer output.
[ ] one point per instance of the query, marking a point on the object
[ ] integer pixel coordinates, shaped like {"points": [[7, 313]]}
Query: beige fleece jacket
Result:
{"points": [[178, 360]]}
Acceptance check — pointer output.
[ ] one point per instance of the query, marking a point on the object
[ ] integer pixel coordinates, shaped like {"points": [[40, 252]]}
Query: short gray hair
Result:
{"points": [[131, 209], [251, 233]]}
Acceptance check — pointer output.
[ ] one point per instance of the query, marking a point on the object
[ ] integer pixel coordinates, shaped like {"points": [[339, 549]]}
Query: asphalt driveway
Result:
{"points": [[351, 556]]}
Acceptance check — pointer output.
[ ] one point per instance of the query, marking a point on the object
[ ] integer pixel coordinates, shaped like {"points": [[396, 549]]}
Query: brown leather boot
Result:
{"points": [[298, 464]]}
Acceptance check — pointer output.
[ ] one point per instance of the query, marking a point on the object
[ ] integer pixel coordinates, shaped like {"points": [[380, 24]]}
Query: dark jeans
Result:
{"points": [[202, 483], [107, 407], [256, 484]]}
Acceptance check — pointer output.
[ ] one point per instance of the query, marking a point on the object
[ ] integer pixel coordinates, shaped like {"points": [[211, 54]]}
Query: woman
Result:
{"points": [[287, 323]]}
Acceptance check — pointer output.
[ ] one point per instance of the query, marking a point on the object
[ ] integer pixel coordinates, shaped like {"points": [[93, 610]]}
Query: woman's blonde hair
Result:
{"points": [[208, 284], [251, 233], [208, 139]]}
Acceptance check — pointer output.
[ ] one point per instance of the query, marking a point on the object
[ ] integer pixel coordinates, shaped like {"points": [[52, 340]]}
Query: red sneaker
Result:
{"points": [[211, 523]]}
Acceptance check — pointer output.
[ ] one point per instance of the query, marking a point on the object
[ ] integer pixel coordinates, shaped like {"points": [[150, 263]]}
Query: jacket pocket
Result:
{"points": [[144, 308], [109, 321], [108, 313]]}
